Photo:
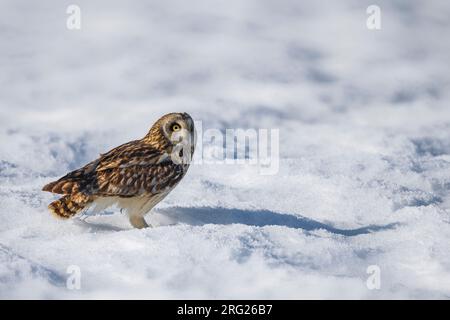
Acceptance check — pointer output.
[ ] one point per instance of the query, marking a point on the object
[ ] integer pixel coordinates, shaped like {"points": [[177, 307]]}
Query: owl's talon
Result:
{"points": [[138, 222]]}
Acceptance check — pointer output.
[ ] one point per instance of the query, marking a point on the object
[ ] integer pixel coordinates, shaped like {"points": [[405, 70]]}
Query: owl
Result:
{"points": [[134, 176]]}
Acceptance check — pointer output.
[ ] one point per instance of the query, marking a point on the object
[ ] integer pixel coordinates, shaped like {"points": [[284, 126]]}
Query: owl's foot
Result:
{"points": [[138, 222]]}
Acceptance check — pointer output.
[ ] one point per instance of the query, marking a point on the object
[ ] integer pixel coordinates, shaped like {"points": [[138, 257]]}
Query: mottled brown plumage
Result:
{"points": [[136, 175]]}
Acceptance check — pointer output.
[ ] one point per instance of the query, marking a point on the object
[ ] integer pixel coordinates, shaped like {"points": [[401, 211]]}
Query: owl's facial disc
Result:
{"points": [[181, 133]]}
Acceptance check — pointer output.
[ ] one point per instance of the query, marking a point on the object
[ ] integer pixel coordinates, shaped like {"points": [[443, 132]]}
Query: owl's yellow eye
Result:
{"points": [[176, 127]]}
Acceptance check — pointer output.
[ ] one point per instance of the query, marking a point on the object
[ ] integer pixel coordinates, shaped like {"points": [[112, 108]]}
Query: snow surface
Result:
{"points": [[364, 120]]}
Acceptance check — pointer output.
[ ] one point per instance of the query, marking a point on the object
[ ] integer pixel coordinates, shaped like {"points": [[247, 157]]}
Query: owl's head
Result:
{"points": [[174, 133]]}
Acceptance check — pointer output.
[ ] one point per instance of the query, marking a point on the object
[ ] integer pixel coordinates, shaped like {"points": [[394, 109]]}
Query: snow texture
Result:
{"points": [[364, 120]]}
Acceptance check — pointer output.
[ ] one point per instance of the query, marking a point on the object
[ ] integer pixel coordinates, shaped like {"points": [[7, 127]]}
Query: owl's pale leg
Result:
{"points": [[138, 222]]}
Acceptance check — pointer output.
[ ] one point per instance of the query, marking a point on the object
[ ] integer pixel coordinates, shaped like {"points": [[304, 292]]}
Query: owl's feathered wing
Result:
{"points": [[131, 170]]}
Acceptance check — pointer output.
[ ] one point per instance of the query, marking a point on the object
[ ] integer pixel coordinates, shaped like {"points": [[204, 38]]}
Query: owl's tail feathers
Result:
{"points": [[61, 186], [69, 205]]}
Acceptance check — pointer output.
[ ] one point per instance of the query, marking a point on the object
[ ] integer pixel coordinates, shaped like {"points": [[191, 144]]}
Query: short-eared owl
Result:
{"points": [[135, 176]]}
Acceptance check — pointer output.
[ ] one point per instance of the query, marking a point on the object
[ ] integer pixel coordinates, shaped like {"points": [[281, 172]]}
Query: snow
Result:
{"points": [[364, 124]]}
